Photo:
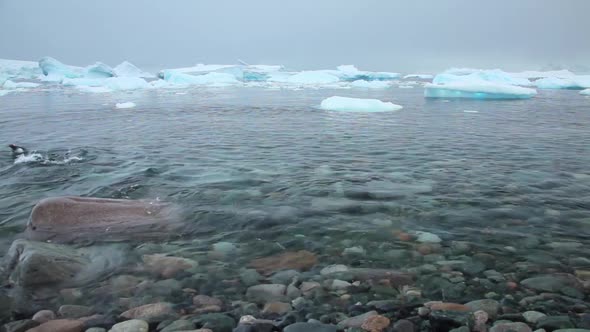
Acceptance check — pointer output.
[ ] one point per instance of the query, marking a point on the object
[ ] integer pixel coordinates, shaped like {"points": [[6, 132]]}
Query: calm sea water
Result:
{"points": [[257, 167]]}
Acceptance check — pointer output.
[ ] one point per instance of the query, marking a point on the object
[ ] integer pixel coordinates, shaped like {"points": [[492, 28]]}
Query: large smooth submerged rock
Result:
{"points": [[67, 219]]}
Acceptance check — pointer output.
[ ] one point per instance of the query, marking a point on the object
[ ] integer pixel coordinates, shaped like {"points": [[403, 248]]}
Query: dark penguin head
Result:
{"points": [[17, 150]]}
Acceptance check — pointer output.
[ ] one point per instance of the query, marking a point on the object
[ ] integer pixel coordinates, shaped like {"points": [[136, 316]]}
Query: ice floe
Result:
{"points": [[585, 92], [125, 105], [346, 104], [477, 90], [18, 69], [212, 78]]}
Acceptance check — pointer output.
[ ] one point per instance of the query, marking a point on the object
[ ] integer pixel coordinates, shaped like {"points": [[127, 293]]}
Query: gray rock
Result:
{"points": [[551, 323], [216, 322], [74, 311], [532, 316], [37, 264], [356, 321], [491, 307], [44, 316], [510, 327], [179, 325], [96, 329], [553, 283], [310, 327], [151, 313], [284, 277], [250, 277], [133, 325], [20, 325], [266, 293], [403, 325]]}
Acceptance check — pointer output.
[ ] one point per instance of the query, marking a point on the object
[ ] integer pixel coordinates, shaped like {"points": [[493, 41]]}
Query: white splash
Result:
{"points": [[30, 158]]}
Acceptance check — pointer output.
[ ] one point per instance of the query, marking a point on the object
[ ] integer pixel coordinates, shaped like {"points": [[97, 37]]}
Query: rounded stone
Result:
{"points": [[44, 316]]}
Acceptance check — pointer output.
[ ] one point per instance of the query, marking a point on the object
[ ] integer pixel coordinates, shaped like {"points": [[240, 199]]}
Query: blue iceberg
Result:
{"points": [[477, 90], [127, 69], [575, 82], [56, 71], [99, 70]]}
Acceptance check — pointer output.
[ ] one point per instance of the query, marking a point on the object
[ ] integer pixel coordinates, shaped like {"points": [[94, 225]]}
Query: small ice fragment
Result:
{"points": [[125, 105], [345, 104]]}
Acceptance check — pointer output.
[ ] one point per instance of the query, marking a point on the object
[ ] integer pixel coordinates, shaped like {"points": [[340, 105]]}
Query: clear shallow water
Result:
{"points": [[260, 168]]}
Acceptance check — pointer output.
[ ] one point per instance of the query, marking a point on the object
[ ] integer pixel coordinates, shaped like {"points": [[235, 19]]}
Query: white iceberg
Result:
{"points": [[575, 82], [19, 85], [127, 69], [531, 74], [419, 76], [56, 71], [477, 89], [370, 84], [99, 70], [315, 77], [346, 104], [585, 92], [492, 76], [352, 73], [125, 105]]}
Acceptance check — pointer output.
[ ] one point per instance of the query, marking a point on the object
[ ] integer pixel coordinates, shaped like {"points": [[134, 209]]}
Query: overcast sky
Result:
{"points": [[388, 35]]}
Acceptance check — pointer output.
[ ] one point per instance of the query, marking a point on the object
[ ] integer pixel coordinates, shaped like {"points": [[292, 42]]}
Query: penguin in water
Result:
{"points": [[17, 151]]}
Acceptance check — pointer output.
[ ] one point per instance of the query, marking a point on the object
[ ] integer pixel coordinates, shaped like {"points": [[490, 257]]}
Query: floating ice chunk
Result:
{"points": [[345, 104], [419, 76], [4, 92], [585, 92], [265, 68], [126, 83], [56, 70], [125, 105], [99, 70], [19, 85], [175, 77], [127, 69], [477, 90], [576, 82], [312, 77], [370, 84], [405, 86]]}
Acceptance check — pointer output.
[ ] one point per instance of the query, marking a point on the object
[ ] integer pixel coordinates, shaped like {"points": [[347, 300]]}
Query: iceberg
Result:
{"points": [[576, 82], [127, 69], [18, 69], [213, 78], [83, 82], [370, 84], [345, 104], [125, 105], [477, 89], [585, 92], [492, 76], [312, 78], [352, 73], [19, 85], [99, 70], [531, 74], [419, 76], [56, 71]]}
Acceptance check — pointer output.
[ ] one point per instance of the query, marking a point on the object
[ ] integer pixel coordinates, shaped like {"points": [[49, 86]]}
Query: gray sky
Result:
{"points": [[388, 35]]}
